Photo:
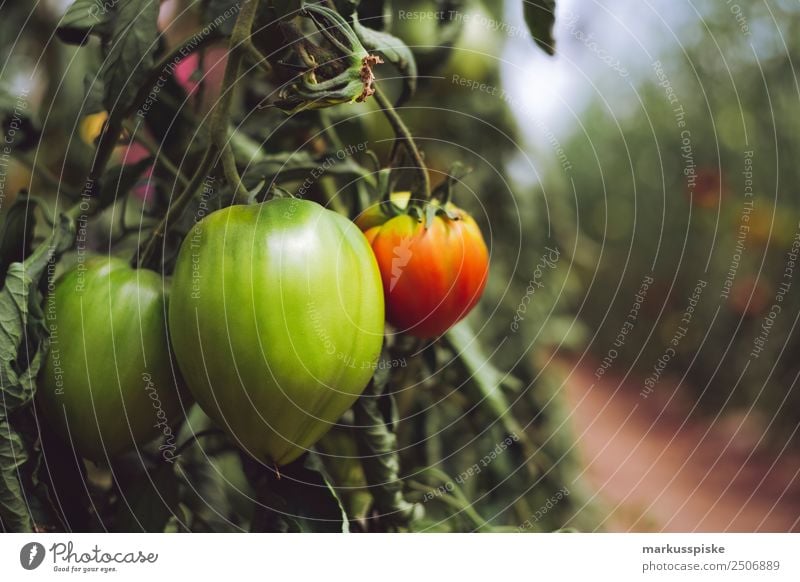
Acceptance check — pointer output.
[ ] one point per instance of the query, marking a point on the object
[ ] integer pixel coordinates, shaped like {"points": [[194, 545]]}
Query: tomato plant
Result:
{"points": [[222, 151], [107, 385], [433, 274], [280, 322]]}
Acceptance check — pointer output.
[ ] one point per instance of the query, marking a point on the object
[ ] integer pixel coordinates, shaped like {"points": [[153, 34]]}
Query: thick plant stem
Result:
{"points": [[240, 194], [405, 137]]}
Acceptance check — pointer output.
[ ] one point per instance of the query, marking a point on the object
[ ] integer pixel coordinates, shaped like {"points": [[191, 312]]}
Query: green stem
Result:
{"points": [[196, 437], [240, 37], [405, 137], [459, 505], [146, 257], [489, 381], [240, 193]]}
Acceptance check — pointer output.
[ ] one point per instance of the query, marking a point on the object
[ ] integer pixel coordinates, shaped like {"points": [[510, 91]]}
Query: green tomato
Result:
{"points": [[107, 384], [276, 322]]}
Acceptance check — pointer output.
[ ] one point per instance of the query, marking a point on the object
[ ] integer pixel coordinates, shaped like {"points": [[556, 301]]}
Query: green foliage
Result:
{"points": [[23, 345], [84, 18], [16, 234], [132, 46]]}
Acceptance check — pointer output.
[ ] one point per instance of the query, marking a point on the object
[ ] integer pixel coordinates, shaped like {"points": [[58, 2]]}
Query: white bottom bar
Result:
{"points": [[402, 557]]}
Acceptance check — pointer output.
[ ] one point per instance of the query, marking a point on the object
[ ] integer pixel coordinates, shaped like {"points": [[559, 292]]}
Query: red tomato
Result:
{"points": [[432, 277]]}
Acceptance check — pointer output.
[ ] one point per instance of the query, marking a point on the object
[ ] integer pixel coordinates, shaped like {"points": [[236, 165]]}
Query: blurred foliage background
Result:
{"points": [[713, 200]]}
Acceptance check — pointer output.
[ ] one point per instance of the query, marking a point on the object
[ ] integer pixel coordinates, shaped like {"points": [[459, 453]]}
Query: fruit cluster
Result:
{"points": [[273, 321]]}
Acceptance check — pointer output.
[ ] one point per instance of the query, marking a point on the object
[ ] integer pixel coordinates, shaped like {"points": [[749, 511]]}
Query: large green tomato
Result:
{"points": [[276, 322], [108, 383]]}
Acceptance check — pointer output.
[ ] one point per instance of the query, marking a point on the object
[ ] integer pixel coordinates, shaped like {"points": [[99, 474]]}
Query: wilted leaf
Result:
{"points": [[23, 346]]}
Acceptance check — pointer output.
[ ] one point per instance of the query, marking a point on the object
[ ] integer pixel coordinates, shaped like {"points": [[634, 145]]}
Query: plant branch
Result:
{"points": [[404, 136], [240, 193], [240, 37], [260, 59], [145, 258], [219, 133]]}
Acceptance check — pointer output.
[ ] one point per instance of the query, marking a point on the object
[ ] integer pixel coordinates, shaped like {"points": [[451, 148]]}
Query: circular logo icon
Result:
{"points": [[31, 555]]}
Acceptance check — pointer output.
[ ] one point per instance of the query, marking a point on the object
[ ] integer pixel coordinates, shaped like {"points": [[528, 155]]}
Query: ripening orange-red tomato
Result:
{"points": [[433, 275]]}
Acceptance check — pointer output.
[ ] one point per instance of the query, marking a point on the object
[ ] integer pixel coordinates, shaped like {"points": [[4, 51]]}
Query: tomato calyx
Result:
{"points": [[440, 203], [431, 210], [394, 203]]}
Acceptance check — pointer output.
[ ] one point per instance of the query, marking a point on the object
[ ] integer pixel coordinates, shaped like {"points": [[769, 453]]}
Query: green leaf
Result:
{"points": [[395, 51], [82, 19], [131, 51], [489, 382], [93, 86], [540, 16], [300, 499], [23, 346], [22, 318]]}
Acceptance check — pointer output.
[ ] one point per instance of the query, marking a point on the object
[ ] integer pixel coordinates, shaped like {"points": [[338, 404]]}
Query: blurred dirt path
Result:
{"points": [[653, 470]]}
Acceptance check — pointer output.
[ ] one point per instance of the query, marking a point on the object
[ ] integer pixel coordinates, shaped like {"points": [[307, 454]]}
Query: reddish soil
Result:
{"points": [[654, 470]]}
